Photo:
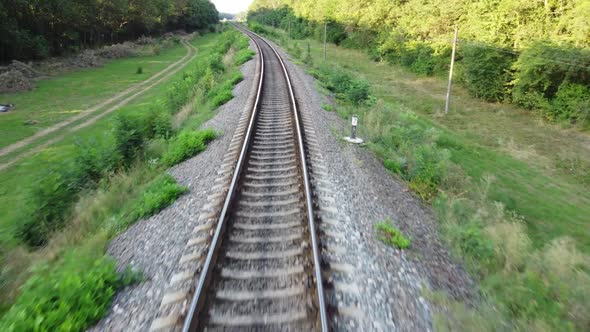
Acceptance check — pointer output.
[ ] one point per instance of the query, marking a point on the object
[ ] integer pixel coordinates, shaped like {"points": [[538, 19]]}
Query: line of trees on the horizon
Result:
{"points": [[36, 29], [533, 53]]}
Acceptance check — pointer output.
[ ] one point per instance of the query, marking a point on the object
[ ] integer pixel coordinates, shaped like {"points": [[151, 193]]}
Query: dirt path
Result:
{"points": [[135, 91]]}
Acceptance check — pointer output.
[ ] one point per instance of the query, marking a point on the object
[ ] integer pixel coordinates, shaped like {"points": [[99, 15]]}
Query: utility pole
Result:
{"points": [[325, 38], [451, 69]]}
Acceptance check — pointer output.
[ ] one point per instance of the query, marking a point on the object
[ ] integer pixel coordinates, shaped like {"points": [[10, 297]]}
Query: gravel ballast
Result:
{"points": [[390, 281]]}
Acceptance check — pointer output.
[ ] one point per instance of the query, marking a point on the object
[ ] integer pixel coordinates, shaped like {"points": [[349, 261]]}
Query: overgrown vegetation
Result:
{"points": [[343, 84], [528, 276], [102, 189], [390, 235], [68, 295], [525, 59], [187, 144]]}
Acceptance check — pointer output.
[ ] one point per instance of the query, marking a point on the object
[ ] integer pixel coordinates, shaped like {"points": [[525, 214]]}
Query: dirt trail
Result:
{"points": [[138, 89], [24, 142]]}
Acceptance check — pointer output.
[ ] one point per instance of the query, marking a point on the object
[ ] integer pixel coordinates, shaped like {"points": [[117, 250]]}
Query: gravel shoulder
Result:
{"points": [[154, 245]]}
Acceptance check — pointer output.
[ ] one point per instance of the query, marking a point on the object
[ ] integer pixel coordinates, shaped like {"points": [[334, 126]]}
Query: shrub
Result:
{"points": [[296, 50], [93, 160], [187, 144], [358, 91], [179, 92], [49, 203], [157, 123], [207, 81], [343, 84], [572, 102], [222, 93], [236, 78], [139, 70], [129, 137], [308, 60], [244, 56], [257, 27], [538, 77], [161, 192], [215, 62], [68, 297], [486, 72], [390, 235]]}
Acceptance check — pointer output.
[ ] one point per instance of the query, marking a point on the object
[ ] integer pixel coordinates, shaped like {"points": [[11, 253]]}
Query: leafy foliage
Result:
{"points": [[522, 58], [187, 144], [486, 72], [343, 84], [161, 192], [538, 78], [37, 29], [67, 297]]}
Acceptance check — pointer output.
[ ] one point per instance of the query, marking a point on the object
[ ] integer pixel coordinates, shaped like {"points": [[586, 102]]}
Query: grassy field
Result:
{"points": [[58, 98], [542, 171], [509, 190], [17, 180], [120, 197]]}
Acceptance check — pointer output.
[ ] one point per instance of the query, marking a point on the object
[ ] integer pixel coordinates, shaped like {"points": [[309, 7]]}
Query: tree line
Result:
{"points": [[532, 53], [36, 29]]}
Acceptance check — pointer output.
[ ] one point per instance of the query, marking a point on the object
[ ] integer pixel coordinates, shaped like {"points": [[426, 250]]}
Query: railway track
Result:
{"points": [[262, 270]]}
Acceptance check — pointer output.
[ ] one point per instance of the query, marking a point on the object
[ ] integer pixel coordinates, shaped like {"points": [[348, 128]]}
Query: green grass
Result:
{"points": [[17, 180], [58, 98], [187, 144], [529, 180], [103, 210], [390, 235]]}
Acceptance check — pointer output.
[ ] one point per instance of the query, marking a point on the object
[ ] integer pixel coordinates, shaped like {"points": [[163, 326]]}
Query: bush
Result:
{"points": [[390, 235], [139, 70], [343, 84], [357, 92], [49, 203], [572, 102], [486, 72], [308, 60], [68, 297], [129, 137], [93, 160], [538, 76], [187, 144], [179, 92], [236, 78], [160, 193], [222, 93], [157, 123]]}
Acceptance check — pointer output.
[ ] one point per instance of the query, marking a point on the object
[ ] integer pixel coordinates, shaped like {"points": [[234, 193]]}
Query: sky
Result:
{"points": [[231, 6]]}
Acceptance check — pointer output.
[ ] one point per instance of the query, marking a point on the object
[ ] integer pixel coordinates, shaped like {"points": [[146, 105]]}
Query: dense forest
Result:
{"points": [[35, 29], [533, 53]]}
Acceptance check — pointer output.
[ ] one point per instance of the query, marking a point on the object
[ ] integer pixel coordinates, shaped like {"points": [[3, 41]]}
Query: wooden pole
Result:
{"points": [[451, 70], [325, 38]]}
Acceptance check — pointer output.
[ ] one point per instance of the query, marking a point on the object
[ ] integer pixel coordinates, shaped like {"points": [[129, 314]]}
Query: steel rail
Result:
{"points": [[199, 298]]}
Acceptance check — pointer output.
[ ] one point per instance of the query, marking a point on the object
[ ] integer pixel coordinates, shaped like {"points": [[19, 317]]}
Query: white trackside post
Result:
{"points": [[353, 138]]}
